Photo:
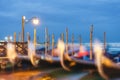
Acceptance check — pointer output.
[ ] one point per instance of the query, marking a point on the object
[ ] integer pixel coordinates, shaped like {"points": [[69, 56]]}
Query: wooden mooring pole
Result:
{"points": [[46, 40], [28, 36], [67, 40], [91, 47], [104, 42], [14, 36], [53, 44], [80, 39], [62, 37], [72, 44]]}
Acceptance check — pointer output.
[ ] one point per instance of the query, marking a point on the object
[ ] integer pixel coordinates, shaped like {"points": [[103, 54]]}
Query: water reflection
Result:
{"points": [[51, 74]]}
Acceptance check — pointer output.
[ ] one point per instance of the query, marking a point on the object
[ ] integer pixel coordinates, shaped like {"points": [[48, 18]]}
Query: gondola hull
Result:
{"points": [[84, 64], [111, 72]]}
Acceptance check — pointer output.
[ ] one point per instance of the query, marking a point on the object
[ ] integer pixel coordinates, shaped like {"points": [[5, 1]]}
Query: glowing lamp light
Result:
{"points": [[35, 21], [24, 17]]}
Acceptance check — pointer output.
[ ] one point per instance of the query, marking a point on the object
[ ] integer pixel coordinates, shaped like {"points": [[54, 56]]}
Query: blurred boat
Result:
{"points": [[79, 58], [108, 68]]}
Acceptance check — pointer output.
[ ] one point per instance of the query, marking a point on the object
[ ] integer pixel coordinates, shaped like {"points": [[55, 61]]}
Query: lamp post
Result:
{"points": [[23, 23], [35, 21]]}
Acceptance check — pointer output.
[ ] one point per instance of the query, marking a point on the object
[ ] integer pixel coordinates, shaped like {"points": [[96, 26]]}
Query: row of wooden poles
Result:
{"points": [[80, 38], [47, 41]]}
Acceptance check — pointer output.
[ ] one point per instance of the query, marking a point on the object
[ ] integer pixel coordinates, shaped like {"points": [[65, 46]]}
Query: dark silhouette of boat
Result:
{"points": [[107, 67], [78, 59]]}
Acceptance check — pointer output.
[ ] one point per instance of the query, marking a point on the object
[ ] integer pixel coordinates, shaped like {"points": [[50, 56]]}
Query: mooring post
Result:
{"points": [[72, 44], [35, 41], [46, 40], [14, 36], [104, 42], [48, 45], [28, 36], [53, 44], [91, 48], [67, 40], [80, 39], [62, 37]]}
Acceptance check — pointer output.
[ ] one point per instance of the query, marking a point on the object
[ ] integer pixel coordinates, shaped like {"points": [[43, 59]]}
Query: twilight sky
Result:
{"points": [[56, 15]]}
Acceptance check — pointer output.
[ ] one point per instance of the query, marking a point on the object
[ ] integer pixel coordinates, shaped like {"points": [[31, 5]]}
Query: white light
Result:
{"points": [[24, 17], [35, 21]]}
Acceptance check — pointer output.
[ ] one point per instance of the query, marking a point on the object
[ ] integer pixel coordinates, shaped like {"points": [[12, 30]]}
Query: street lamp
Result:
{"points": [[35, 21]]}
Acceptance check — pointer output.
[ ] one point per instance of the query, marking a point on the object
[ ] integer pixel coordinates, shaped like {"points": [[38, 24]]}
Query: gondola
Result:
{"points": [[81, 62], [53, 54], [85, 61], [79, 59], [108, 68]]}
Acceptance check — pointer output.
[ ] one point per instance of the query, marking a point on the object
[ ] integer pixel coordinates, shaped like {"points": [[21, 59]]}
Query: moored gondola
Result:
{"points": [[80, 58], [108, 68]]}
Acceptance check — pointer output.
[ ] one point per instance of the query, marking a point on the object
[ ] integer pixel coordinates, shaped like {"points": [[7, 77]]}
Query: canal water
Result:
{"points": [[59, 75], [49, 73]]}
